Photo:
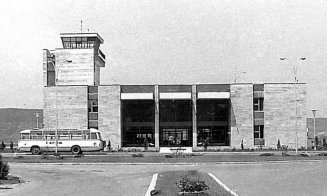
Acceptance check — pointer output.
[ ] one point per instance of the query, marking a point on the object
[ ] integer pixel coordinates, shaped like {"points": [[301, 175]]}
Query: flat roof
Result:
{"points": [[82, 35]]}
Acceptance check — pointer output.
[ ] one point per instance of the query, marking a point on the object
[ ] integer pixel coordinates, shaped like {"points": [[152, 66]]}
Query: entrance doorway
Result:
{"points": [[172, 137], [175, 123]]}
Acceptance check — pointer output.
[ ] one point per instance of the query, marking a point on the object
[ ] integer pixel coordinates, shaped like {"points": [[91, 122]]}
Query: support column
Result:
{"points": [[194, 117], [156, 117]]}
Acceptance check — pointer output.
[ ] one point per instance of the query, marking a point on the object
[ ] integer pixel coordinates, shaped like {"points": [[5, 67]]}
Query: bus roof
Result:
{"points": [[29, 130], [25, 131]]}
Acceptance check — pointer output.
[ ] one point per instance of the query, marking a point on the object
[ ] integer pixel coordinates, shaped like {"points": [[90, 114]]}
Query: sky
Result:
{"points": [[169, 42]]}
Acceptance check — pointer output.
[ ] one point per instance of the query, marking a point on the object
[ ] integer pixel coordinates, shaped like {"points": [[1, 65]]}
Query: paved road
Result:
{"points": [[297, 178]]}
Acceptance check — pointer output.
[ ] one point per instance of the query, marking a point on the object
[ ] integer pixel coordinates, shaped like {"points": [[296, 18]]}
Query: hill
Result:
{"points": [[13, 120]]}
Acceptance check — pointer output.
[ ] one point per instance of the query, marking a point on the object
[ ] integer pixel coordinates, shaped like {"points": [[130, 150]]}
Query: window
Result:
{"points": [[175, 110], [259, 135], [78, 42], [218, 135], [93, 107], [138, 122], [258, 104], [93, 136], [213, 121], [135, 136], [25, 136], [51, 75]]}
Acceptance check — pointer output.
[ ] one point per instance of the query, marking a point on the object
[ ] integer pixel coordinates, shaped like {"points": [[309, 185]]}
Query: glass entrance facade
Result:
{"points": [[175, 117], [138, 122], [213, 121], [175, 122]]}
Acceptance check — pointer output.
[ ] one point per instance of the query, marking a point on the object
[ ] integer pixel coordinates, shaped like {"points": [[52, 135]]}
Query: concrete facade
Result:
{"points": [[241, 115], [67, 104], [110, 114], [76, 67], [280, 115]]}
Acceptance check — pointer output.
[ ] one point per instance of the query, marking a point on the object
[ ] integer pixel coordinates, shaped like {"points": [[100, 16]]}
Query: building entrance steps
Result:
{"points": [[175, 149]]}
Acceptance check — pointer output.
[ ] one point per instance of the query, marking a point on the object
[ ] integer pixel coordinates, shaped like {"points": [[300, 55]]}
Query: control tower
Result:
{"points": [[71, 76], [77, 63]]}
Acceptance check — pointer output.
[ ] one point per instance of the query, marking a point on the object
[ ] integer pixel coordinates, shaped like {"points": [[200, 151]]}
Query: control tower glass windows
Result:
{"points": [[78, 42]]}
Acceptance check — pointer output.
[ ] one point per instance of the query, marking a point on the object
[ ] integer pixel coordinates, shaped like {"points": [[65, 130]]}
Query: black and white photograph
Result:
{"points": [[163, 97]]}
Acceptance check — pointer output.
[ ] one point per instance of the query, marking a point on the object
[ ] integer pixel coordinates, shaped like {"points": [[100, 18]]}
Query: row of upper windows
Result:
{"points": [[78, 42], [78, 45]]}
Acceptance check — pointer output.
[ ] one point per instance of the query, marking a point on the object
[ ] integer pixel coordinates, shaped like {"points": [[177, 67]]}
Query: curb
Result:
{"points": [[230, 191], [181, 163]]}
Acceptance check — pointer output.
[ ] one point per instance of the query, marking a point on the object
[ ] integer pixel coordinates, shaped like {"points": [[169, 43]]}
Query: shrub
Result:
{"points": [[4, 169], [191, 186], [267, 154], [305, 154], [138, 155], [169, 156]]}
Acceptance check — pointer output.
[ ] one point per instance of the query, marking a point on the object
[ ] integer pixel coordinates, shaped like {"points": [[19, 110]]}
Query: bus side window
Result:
{"points": [[93, 136]]}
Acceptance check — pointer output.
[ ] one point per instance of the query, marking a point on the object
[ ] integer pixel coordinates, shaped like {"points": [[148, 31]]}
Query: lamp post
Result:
{"points": [[237, 74], [295, 66], [37, 119], [314, 128]]}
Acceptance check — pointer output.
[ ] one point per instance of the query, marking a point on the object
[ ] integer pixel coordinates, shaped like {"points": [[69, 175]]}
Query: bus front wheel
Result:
{"points": [[35, 150], [76, 150]]}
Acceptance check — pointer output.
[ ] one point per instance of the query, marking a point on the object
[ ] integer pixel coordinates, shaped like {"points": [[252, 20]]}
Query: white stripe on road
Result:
{"points": [[152, 184], [223, 185]]}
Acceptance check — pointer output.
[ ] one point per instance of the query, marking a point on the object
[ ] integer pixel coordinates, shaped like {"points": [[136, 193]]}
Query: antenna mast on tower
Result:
{"points": [[81, 26]]}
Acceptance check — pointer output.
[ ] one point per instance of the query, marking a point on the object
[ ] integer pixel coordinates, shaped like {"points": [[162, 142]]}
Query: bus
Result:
{"points": [[73, 140]]}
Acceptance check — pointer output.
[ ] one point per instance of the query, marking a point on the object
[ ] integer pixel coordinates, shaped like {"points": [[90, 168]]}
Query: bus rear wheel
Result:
{"points": [[76, 150], [35, 150]]}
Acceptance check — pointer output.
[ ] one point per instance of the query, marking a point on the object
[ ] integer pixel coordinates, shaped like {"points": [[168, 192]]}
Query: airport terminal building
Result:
{"points": [[257, 115]]}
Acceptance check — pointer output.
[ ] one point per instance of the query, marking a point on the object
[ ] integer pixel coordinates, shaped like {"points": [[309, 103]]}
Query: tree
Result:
{"points": [[278, 145], [109, 145], [4, 168], [316, 141]]}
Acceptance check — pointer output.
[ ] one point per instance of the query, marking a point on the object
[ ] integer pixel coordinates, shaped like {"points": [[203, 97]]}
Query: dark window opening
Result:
{"points": [[93, 106], [78, 42], [51, 72], [51, 78], [138, 122], [94, 136], [135, 136], [171, 137], [213, 122], [258, 104], [217, 135], [259, 135], [138, 110], [175, 110], [175, 122]]}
